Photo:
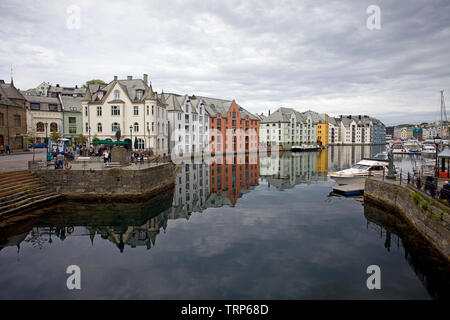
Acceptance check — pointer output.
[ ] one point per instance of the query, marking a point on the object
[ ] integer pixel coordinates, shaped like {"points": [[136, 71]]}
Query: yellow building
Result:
{"points": [[322, 132]]}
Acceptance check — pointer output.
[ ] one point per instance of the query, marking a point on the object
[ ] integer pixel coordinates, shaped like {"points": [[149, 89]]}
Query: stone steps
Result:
{"points": [[28, 204], [21, 191]]}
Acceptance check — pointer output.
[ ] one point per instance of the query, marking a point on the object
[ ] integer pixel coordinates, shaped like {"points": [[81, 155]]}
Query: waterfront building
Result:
{"points": [[287, 127], [12, 117], [232, 128], [323, 131], [130, 106], [44, 115], [378, 132], [334, 134], [188, 123], [72, 120]]}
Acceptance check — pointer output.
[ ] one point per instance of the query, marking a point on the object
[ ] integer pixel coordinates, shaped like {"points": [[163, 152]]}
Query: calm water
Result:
{"points": [[261, 229]]}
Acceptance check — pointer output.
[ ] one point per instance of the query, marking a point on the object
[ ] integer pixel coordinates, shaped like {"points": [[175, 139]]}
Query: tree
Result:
{"points": [[55, 136], [81, 139], [95, 81], [28, 138], [95, 138]]}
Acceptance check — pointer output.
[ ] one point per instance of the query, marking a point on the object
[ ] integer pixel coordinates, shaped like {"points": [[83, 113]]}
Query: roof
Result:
{"points": [[284, 115], [4, 100], [445, 153], [42, 99], [71, 104], [11, 92]]}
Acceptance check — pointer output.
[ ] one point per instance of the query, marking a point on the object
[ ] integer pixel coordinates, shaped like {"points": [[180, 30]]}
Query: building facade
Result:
{"points": [[12, 117], [130, 106]]}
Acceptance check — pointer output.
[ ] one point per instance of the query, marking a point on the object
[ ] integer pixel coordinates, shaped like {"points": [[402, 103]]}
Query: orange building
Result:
{"points": [[232, 128], [242, 172]]}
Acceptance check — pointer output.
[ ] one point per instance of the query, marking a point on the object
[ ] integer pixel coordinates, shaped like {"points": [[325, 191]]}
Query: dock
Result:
{"points": [[347, 190]]}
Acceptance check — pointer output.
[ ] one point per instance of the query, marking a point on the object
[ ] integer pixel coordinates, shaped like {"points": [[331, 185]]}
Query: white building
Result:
{"points": [[188, 123], [125, 104], [287, 127]]}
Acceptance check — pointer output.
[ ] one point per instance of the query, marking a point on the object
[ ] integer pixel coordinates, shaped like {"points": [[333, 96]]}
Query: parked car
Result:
{"points": [[37, 145]]}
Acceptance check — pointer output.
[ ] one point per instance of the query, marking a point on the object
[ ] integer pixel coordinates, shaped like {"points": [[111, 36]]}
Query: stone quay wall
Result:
{"points": [[111, 184], [433, 223]]}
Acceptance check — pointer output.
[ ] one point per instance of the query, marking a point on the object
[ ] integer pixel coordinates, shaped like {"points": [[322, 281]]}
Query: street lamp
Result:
{"points": [[46, 135], [89, 136], [131, 135], [437, 141]]}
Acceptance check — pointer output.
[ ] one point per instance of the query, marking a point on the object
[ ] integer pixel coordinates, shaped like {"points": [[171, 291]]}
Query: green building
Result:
{"points": [[72, 117]]}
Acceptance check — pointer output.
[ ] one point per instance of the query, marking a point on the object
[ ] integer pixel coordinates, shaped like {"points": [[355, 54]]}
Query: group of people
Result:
{"points": [[138, 155]]}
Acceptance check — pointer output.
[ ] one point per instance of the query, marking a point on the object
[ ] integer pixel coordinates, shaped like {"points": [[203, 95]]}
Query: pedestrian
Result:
{"points": [[105, 156], [59, 160], [8, 150]]}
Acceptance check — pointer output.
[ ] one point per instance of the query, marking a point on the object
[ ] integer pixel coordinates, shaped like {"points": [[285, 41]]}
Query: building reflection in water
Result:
{"points": [[198, 186], [286, 170]]}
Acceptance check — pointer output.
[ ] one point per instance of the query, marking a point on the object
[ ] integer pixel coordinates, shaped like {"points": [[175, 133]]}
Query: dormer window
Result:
{"points": [[100, 95], [138, 94], [116, 95]]}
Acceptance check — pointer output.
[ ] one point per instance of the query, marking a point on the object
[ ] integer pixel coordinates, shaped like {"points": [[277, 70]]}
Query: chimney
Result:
{"points": [[146, 79], [115, 78], [130, 78]]}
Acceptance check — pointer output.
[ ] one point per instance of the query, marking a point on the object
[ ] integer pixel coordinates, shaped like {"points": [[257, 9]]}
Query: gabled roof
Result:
{"points": [[42, 99], [11, 92], [4, 100], [71, 104]]}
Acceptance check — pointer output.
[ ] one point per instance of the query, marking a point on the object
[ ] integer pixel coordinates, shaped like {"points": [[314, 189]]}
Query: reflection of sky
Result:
{"points": [[292, 244]]}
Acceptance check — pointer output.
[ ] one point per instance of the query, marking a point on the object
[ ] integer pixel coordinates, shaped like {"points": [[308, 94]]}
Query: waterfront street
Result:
{"points": [[19, 161]]}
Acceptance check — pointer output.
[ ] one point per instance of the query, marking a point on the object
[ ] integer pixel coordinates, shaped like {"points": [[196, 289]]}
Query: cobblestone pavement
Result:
{"points": [[19, 161]]}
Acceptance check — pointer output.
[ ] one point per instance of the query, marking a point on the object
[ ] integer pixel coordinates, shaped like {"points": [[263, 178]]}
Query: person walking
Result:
{"points": [[8, 150]]}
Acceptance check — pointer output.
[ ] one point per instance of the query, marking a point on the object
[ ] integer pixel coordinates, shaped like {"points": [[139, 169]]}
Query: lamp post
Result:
{"points": [[131, 135], [437, 141], [89, 136], [46, 134]]}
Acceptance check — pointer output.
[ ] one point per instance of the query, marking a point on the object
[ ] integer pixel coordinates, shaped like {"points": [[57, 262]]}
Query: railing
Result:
{"points": [[427, 184]]}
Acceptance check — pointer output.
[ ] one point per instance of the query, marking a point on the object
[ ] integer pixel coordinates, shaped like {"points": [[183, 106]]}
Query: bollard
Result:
{"points": [[401, 173]]}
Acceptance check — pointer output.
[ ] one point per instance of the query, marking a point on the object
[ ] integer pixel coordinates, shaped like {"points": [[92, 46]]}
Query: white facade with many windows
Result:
{"points": [[130, 106]]}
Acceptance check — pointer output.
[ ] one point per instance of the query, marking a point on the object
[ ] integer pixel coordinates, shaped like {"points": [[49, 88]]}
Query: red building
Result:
{"points": [[232, 128]]}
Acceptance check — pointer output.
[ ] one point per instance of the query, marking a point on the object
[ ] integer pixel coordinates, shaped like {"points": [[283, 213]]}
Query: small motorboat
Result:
{"points": [[305, 147], [360, 171], [428, 149]]}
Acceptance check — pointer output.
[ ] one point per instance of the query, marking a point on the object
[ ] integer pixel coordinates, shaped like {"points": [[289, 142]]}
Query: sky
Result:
{"points": [[308, 55]]}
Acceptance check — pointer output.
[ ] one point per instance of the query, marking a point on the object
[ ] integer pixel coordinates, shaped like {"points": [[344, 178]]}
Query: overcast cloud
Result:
{"points": [[311, 54]]}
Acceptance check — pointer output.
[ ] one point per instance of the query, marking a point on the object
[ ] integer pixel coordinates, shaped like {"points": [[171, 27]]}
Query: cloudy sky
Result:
{"points": [[311, 54]]}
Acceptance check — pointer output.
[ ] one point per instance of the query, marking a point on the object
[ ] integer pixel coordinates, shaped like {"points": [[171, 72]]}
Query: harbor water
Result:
{"points": [[261, 227]]}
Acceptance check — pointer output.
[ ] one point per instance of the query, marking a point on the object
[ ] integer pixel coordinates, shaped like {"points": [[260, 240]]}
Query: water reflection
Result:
{"points": [[307, 239]]}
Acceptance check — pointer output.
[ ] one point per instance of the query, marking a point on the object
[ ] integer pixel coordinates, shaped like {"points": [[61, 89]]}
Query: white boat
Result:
{"points": [[360, 171], [305, 147], [428, 149], [398, 148]]}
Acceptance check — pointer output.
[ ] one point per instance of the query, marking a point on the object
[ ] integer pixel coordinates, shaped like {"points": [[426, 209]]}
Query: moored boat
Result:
{"points": [[360, 171]]}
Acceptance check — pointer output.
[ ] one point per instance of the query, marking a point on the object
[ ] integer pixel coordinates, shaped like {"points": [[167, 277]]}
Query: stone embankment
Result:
{"points": [[430, 217], [112, 184], [21, 191]]}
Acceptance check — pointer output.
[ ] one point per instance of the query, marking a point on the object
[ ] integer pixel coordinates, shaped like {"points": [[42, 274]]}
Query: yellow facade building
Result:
{"points": [[322, 132]]}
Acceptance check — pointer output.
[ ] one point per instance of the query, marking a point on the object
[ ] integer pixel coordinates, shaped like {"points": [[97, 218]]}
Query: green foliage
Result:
{"points": [[81, 139], [95, 81], [54, 136], [95, 138], [416, 197], [423, 205]]}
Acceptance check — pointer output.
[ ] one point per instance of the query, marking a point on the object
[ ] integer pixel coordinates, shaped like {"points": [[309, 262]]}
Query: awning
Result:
{"points": [[445, 153], [122, 143]]}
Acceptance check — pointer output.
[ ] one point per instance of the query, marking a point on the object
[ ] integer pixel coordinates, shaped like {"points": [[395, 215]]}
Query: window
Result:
{"points": [[148, 110], [140, 144], [153, 110], [115, 110], [136, 127], [40, 127], [86, 127], [115, 127], [72, 120], [52, 107], [1, 119], [35, 106], [234, 114], [153, 127], [136, 109], [99, 127], [233, 123], [116, 95], [139, 94], [72, 130], [219, 122], [99, 111], [53, 127], [17, 121]]}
